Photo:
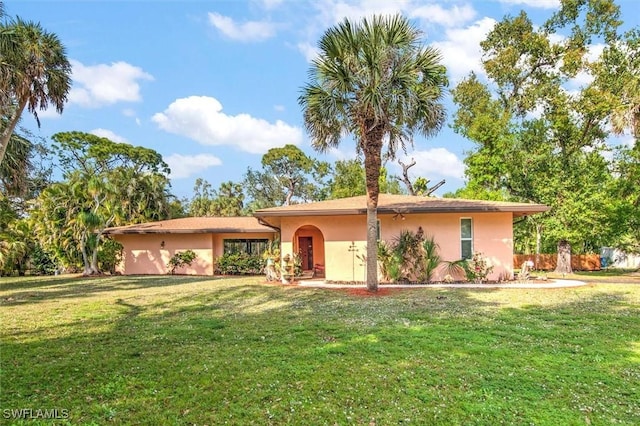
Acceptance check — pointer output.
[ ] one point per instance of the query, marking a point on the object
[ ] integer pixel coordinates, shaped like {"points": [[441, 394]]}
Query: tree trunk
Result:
{"points": [[563, 265], [5, 137], [405, 175], [372, 147], [372, 246]]}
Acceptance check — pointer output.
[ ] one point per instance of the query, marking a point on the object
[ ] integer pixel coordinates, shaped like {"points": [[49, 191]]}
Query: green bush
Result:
{"points": [[239, 264], [109, 255], [182, 258]]}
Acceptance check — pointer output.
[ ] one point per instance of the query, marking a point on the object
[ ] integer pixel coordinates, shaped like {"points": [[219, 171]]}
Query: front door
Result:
{"points": [[306, 252]]}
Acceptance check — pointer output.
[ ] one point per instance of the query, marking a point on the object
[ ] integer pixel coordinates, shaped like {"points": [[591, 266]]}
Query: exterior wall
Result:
{"points": [[345, 239], [339, 233], [143, 253]]}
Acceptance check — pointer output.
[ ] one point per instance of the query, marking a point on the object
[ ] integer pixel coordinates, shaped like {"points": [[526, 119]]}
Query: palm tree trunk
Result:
{"points": [[372, 162], [8, 131], [372, 245]]}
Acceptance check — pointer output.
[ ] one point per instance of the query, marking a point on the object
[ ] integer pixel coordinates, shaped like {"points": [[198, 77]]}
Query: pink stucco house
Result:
{"points": [[149, 246], [329, 235]]}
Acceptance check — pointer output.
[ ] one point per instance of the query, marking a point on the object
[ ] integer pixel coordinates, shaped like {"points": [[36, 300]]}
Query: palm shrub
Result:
{"points": [[409, 256], [431, 259]]}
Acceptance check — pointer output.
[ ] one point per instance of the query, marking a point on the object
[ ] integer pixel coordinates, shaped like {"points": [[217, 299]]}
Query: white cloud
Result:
{"points": [[104, 133], [201, 119], [309, 51], [542, 4], [436, 14], [342, 155], [335, 11], [184, 166], [98, 85], [436, 162], [271, 4], [128, 112], [461, 52], [247, 31], [279, 108], [47, 113]]}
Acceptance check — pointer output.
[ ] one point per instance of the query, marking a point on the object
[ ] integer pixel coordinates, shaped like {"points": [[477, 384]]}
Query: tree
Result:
{"points": [[26, 169], [421, 185], [106, 184], [536, 141], [228, 200], [25, 85], [348, 180], [375, 81], [288, 176]]}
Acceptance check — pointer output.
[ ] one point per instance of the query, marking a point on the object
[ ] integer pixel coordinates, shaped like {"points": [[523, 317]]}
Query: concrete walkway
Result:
{"points": [[548, 284]]}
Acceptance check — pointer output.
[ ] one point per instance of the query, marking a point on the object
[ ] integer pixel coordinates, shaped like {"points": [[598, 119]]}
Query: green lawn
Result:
{"points": [[186, 350]]}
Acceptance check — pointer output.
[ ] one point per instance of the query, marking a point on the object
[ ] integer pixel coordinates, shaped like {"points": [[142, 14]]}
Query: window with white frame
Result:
{"points": [[466, 238]]}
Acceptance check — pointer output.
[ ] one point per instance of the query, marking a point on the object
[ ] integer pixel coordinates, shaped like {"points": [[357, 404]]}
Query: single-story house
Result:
{"points": [[148, 247], [329, 235]]}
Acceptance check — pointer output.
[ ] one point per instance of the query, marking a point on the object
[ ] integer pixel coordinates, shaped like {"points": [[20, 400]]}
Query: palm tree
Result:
{"points": [[34, 75], [375, 81]]}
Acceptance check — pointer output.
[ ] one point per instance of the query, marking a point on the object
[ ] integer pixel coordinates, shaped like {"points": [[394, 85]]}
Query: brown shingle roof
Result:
{"points": [[388, 203], [194, 225]]}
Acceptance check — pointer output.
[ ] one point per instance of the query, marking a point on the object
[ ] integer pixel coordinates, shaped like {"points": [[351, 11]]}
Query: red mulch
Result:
{"points": [[363, 292]]}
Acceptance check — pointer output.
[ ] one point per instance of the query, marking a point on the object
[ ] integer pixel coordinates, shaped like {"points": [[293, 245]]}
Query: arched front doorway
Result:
{"points": [[308, 243]]}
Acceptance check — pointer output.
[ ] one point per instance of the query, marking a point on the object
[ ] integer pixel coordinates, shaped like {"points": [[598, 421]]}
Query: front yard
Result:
{"points": [[189, 350]]}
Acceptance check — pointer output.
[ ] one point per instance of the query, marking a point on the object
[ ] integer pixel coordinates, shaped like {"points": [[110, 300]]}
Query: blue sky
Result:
{"points": [[212, 85]]}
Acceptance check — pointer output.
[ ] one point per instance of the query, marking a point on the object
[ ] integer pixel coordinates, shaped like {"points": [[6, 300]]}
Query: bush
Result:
{"points": [[180, 259], [477, 268], [109, 256], [409, 256], [239, 264]]}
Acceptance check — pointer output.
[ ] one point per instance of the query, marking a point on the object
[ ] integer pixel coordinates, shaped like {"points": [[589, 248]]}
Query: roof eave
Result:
{"points": [[522, 210], [187, 231]]}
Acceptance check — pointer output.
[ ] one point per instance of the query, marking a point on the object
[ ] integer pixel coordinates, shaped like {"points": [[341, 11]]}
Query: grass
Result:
{"points": [[189, 350]]}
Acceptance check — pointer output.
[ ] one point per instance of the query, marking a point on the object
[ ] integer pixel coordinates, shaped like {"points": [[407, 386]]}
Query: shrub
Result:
{"points": [[109, 255], [409, 256], [239, 264], [477, 268], [180, 259]]}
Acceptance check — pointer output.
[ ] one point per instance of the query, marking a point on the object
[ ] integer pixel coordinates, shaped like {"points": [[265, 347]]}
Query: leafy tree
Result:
{"points": [[375, 81], [535, 141], [106, 184], [288, 176], [25, 171], [24, 85], [348, 180], [228, 200]]}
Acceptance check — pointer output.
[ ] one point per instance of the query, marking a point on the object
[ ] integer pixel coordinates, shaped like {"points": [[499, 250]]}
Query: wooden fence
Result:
{"points": [[547, 262]]}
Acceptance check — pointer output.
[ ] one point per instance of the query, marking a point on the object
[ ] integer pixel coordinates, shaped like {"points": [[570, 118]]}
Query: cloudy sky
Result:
{"points": [[212, 85]]}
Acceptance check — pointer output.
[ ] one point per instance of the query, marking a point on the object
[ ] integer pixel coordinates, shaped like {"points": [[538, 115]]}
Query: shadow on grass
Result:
{"points": [[246, 353], [33, 290]]}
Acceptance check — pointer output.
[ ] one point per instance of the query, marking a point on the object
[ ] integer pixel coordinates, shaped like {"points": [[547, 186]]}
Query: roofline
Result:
{"points": [[116, 231], [534, 208]]}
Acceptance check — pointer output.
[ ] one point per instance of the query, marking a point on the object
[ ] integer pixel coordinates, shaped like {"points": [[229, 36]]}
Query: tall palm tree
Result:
{"points": [[34, 75], [375, 81]]}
